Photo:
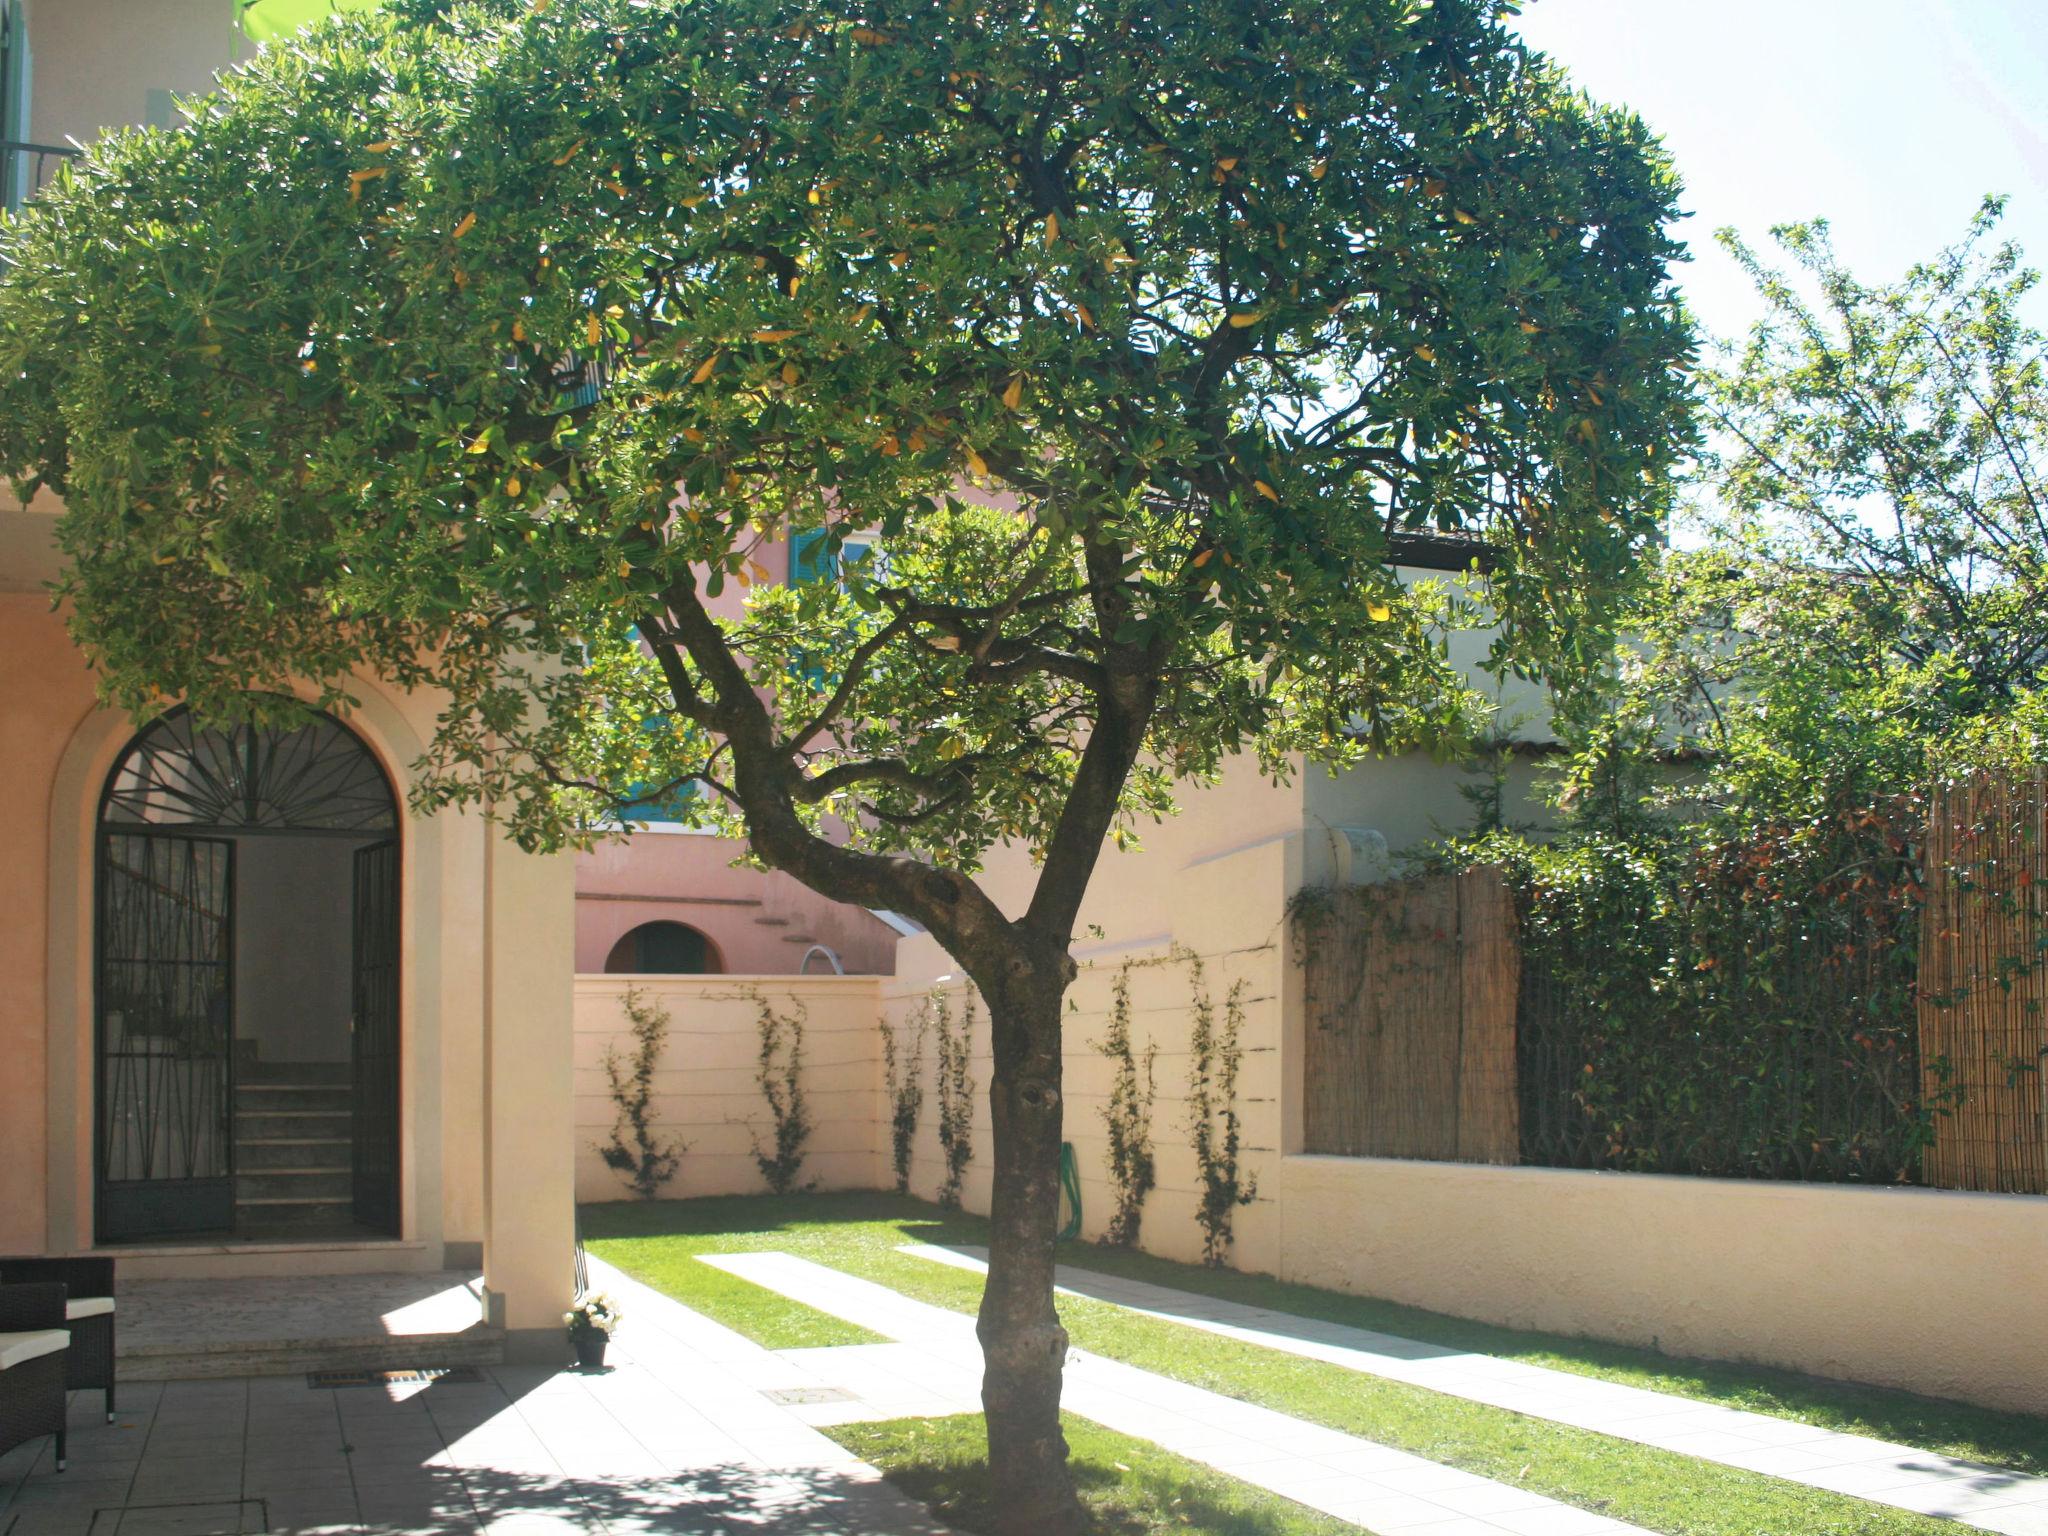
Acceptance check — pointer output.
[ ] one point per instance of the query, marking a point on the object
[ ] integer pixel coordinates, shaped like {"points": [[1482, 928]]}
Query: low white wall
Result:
{"points": [[1932, 1291], [705, 1089]]}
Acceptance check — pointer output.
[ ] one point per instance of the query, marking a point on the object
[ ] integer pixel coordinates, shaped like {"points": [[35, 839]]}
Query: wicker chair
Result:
{"points": [[88, 1314], [32, 1350]]}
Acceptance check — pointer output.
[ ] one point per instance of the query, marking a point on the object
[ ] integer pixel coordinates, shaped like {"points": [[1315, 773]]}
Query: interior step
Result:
{"points": [[253, 1156], [274, 1096], [291, 1124], [310, 1074], [257, 1187], [280, 1216]]}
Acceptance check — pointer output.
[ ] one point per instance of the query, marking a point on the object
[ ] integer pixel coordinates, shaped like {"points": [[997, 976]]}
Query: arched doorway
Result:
{"points": [[246, 985], [664, 949]]}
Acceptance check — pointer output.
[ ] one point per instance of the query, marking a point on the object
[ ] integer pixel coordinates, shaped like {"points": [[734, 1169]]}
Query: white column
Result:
{"points": [[528, 1118]]}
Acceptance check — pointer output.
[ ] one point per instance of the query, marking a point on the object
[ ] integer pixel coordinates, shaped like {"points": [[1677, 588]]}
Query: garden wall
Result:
{"points": [[1925, 1290], [1928, 1290], [705, 1089]]}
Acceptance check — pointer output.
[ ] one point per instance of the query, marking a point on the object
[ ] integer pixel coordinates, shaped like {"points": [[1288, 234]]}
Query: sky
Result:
{"points": [[1890, 118]]}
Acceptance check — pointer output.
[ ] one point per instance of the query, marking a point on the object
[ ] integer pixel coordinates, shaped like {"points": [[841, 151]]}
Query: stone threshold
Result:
{"points": [[254, 1246]]}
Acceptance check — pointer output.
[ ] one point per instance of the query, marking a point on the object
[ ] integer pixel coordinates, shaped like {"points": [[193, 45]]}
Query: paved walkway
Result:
{"points": [[937, 1361], [680, 1439], [1988, 1498]]}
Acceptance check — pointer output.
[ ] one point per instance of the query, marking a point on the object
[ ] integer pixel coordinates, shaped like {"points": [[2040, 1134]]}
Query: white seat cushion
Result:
{"points": [[20, 1348], [87, 1306]]}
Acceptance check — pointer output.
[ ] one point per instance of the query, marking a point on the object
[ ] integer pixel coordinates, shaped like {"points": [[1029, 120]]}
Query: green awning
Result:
{"points": [[261, 20]]}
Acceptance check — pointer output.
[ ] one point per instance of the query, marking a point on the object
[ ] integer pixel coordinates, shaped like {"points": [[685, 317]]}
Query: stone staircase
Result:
{"points": [[292, 1148]]}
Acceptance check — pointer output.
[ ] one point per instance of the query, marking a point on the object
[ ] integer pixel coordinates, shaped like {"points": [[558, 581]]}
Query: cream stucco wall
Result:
{"points": [[1932, 1291], [705, 1089]]}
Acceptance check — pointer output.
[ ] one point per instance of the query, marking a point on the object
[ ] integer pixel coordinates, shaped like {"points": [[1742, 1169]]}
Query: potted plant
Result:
{"points": [[591, 1322]]}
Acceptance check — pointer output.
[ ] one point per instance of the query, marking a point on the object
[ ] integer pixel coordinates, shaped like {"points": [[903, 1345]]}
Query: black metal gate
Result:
{"points": [[177, 804], [165, 1028], [373, 1038]]}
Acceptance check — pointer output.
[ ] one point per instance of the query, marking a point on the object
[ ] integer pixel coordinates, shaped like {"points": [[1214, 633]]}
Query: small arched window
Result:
{"points": [[663, 949]]}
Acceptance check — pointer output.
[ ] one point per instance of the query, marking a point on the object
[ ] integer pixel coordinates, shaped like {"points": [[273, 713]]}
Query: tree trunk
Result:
{"points": [[1023, 1345]]}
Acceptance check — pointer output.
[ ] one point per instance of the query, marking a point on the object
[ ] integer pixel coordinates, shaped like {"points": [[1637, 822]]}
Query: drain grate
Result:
{"points": [[791, 1397], [454, 1374], [229, 1518]]}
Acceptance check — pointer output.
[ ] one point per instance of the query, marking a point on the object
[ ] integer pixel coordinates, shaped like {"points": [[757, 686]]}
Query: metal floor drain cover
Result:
{"points": [[793, 1396], [229, 1517], [448, 1373]]}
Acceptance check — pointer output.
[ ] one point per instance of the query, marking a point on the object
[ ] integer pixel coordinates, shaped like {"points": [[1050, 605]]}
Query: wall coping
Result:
{"points": [[598, 981], [1780, 1189]]}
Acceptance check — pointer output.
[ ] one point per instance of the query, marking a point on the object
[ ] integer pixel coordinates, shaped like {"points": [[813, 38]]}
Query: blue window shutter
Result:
{"points": [[811, 557]]}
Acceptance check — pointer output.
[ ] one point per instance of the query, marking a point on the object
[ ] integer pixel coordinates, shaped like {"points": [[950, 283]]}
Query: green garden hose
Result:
{"points": [[1070, 1191]]}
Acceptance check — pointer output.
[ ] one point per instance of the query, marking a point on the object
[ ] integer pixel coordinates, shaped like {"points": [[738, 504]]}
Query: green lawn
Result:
{"points": [[1130, 1487], [1660, 1490]]}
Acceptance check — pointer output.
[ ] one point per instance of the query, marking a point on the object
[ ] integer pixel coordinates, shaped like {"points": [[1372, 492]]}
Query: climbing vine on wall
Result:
{"points": [[1214, 1057], [1127, 1117], [779, 1072], [902, 1074], [956, 1091], [645, 1160]]}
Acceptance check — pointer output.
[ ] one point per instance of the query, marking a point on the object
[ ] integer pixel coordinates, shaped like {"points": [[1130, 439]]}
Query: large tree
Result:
{"points": [[481, 348]]}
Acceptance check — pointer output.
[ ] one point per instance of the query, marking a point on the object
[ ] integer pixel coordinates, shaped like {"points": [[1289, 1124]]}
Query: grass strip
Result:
{"points": [[1129, 1487], [1659, 1490], [2017, 1441], [810, 1225]]}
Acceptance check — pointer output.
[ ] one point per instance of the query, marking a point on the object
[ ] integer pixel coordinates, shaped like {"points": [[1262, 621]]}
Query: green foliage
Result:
{"points": [[1222, 298], [779, 1068], [1127, 1116], [904, 1084], [1721, 941], [956, 1091], [1746, 1009], [1214, 1056], [1898, 434], [1863, 614], [646, 1161]]}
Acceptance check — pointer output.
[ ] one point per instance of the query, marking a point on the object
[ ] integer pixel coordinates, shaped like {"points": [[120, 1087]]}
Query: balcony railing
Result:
{"points": [[24, 167]]}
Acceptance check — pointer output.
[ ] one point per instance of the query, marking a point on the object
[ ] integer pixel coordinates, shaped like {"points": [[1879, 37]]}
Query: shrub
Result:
{"points": [[1127, 1117], [1214, 1058], [906, 1091], [780, 1076], [956, 1092], [646, 1161]]}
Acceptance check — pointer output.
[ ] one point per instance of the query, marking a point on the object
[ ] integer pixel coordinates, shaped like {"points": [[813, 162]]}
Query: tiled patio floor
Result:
{"points": [[679, 1438]]}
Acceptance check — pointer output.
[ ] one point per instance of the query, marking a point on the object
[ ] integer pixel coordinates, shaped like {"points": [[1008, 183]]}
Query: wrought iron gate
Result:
{"points": [[373, 1038], [166, 1035], [177, 804]]}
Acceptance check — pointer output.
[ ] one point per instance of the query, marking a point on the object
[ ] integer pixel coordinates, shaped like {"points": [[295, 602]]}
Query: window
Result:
{"points": [[811, 557], [663, 949], [16, 165]]}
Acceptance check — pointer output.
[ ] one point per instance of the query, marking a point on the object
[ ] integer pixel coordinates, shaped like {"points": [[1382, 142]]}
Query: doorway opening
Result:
{"points": [[246, 1009]]}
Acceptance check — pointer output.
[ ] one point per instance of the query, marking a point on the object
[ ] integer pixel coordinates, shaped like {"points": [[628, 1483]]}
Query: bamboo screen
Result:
{"points": [[1984, 984], [1410, 992]]}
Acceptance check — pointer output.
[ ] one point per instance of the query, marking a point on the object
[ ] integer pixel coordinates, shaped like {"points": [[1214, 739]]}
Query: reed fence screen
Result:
{"points": [[1984, 983], [1873, 1010], [1410, 1038]]}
